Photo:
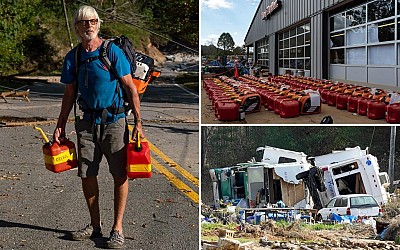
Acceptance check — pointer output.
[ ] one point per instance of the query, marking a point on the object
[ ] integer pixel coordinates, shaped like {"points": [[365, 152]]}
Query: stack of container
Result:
{"points": [[230, 98], [371, 102]]}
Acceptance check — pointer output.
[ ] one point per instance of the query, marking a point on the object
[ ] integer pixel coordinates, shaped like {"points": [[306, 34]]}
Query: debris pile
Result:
{"points": [[271, 234]]}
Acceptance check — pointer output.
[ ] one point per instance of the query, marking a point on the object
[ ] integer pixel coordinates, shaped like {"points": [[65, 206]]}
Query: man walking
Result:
{"points": [[102, 129]]}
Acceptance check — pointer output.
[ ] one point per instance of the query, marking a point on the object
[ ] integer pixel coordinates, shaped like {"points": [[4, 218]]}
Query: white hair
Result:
{"points": [[84, 12]]}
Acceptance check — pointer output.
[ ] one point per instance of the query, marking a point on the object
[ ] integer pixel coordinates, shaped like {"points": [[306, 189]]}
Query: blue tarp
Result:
{"points": [[339, 218], [214, 63]]}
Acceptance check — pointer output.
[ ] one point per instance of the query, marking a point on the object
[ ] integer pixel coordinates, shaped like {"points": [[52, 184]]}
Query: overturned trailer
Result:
{"points": [[352, 171], [298, 180]]}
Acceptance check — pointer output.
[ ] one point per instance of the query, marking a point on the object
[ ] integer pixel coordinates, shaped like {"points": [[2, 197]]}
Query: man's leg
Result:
{"points": [[91, 191], [121, 187], [117, 239]]}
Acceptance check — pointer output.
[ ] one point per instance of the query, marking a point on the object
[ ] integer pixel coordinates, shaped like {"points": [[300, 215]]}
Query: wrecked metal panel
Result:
{"points": [[338, 156], [255, 183], [288, 172], [272, 155]]}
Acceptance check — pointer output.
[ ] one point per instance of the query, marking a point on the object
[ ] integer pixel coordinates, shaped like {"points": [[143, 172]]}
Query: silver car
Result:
{"points": [[362, 205]]}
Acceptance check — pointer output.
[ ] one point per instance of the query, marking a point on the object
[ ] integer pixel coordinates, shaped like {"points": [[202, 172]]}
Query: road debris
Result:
{"points": [[15, 93], [271, 234]]}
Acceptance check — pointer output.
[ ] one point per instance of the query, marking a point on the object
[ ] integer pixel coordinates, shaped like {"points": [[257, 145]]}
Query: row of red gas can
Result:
{"points": [[229, 99], [373, 103], [283, 100]]}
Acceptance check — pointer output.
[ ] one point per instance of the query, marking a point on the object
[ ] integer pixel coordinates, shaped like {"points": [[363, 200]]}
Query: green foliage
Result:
{"points": [[17, 19], [177, 19], [213, 226], [33, 33], [239, 50], [283, 223], [226, 146], [319, 226], [225, 42], [210, 51]]}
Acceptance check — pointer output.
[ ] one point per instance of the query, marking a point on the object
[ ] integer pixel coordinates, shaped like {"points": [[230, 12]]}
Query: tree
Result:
{"points": [[178, 19], [239, 51], [225, 41]]}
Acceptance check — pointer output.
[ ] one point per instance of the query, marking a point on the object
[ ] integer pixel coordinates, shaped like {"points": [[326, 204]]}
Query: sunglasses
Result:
{"points": [[84, 22]]}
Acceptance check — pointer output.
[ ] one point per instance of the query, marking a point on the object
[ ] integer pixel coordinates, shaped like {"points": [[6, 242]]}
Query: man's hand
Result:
{"points": [[137, 129], [59, 135]]}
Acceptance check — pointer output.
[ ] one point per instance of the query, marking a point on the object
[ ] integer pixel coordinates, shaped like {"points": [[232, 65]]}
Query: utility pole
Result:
{"points": [[66, 21], [391, 155]]}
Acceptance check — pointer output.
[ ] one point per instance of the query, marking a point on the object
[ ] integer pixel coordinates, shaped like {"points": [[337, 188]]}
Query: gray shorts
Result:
{"points": [[90, 153]]}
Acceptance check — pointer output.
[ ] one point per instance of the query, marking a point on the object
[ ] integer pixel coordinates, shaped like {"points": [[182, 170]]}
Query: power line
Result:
{"points": [[131, 23]]}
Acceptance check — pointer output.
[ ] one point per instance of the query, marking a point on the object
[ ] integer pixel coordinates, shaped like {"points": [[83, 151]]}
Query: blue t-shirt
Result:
{"points": [[98, 91]]}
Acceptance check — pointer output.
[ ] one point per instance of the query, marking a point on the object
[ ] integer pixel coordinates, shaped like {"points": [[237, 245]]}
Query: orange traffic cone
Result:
{"points": [[236, 73]]}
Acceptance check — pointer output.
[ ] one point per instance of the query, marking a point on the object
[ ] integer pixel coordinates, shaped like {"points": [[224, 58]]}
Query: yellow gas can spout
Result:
{"points": [[46, 140]]}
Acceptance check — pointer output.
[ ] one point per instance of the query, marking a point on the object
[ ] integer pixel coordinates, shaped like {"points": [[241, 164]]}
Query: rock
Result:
{"points": [[246, 246], [207, 246], [228, 244], [264, 241], [305, 248], [276, 245]]}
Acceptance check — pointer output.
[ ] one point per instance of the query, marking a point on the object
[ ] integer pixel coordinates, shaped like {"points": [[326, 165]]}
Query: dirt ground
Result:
{"points": [[269, 117], [358, 235], [268, 235]]}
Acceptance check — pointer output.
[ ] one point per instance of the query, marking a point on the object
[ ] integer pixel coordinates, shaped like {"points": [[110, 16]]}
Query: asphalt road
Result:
{"points": [[38, 207]]}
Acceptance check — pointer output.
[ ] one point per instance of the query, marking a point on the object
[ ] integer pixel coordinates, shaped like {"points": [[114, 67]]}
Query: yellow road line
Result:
{"points": [[173, 164], [175, 181], [170, 162]]}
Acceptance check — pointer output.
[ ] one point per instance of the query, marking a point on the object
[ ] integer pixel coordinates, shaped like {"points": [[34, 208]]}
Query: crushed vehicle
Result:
{"points": [[300, 181], [355, 205]]}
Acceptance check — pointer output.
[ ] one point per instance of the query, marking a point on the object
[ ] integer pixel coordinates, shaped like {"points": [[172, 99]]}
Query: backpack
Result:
{"points": [[136, 60], [142, 66]]}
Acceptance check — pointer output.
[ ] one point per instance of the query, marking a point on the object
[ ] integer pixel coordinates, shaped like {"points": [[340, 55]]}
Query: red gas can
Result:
{"points": [[59, 158], [289, 108], [138, 159], [352, 104], [362, 106], [277, 102], [263, 95], [324, 95], [227, 111], [341, 101], [393, 113], [376, 110], [332, 98], [270, 101], [221, 102]]}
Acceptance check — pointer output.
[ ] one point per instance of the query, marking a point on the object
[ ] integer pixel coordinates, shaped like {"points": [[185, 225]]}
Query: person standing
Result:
{"points": [[102, 129]]}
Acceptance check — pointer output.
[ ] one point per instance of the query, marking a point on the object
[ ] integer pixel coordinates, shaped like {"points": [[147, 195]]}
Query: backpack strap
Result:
{"points": [[78, 52], [103, 57], [78, 64]]}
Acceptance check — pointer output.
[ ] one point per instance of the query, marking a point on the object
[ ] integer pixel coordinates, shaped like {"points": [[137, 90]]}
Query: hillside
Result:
{"points": [[35, 36]]}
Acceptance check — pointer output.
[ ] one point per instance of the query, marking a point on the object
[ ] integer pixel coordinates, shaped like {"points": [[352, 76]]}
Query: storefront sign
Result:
{"points": [[273, 7]]}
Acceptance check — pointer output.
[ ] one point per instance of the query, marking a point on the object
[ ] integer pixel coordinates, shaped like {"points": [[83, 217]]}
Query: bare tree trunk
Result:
{"points": [[204, 133], [114, 9]]}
